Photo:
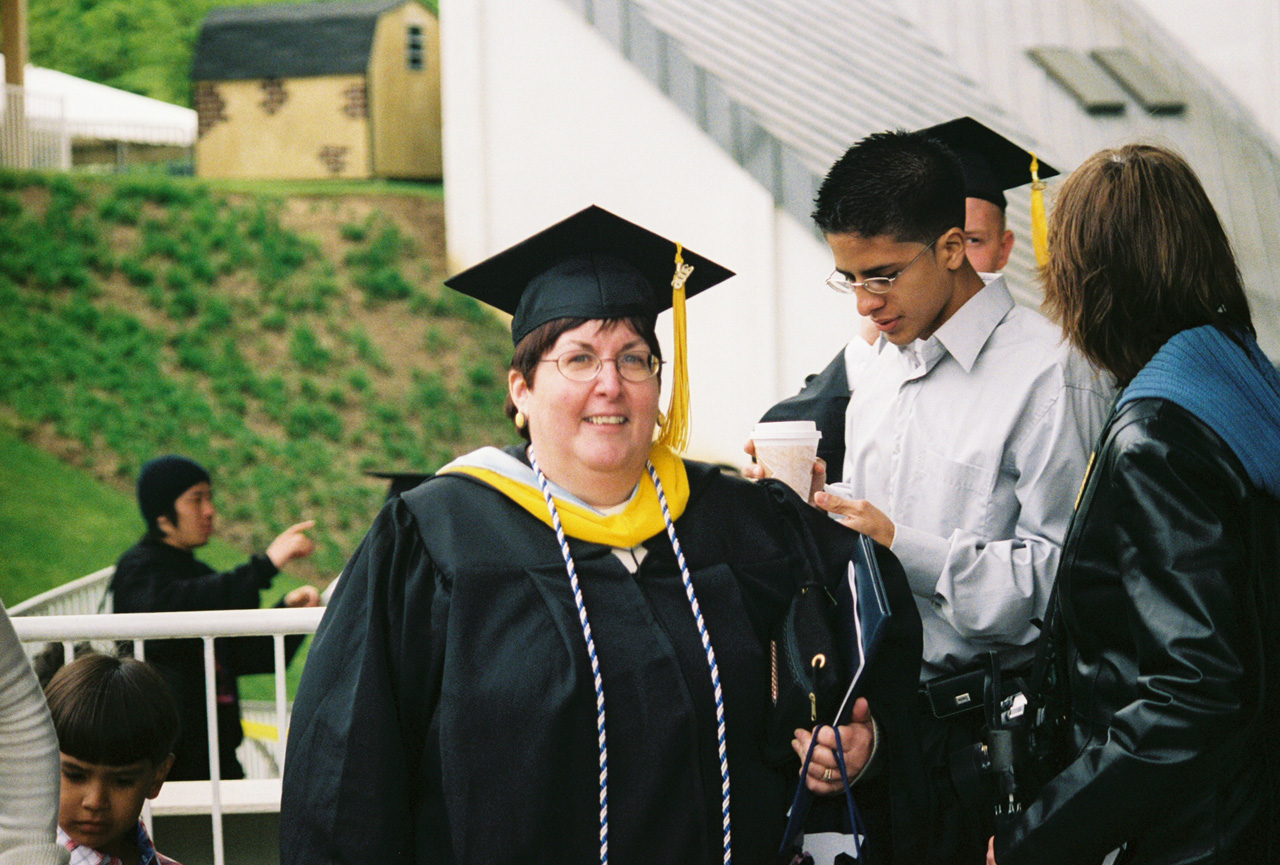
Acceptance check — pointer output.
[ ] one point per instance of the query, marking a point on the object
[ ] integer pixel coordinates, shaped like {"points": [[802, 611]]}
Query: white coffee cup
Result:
{"points": [[787, 449]]}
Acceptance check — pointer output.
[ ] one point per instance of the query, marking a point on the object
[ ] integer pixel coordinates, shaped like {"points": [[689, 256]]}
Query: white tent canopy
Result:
{"points": [[88, 110]]}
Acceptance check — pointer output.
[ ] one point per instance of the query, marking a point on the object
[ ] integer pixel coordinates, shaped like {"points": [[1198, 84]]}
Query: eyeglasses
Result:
{"points": [[876, 284], [633, 366]]}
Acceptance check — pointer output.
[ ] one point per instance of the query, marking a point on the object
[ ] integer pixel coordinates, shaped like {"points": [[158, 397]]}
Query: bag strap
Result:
{"points": [[804, 798]]}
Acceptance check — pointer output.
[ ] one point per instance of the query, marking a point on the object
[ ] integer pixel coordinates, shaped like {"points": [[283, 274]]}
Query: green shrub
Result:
{"points": [[430, 390], [217, 314], [366, 349], [192, 350], [183, 300], [382, 285], [138, 274], [306, 350], [453, 304], [359, 381], [354, 231], [382, 252], [121, 210], [303, 420], [275, 321], [434, 340]]}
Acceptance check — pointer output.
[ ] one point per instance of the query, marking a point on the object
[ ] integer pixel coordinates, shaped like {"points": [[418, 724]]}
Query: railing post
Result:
{"points": [[215, 758], [281, 703]]}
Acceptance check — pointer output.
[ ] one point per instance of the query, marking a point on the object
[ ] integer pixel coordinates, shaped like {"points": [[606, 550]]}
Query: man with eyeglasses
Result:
{"points": [[967, 434]]}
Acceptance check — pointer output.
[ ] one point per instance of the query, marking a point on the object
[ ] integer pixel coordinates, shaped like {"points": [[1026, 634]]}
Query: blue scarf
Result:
{"points": [[1235, 390]]}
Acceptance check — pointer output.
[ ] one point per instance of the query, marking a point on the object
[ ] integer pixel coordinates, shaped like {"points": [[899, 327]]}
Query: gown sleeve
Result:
{"points": [[353, 780]]}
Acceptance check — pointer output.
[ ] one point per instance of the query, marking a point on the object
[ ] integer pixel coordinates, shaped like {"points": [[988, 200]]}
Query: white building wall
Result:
{"points": [[569, 122]]}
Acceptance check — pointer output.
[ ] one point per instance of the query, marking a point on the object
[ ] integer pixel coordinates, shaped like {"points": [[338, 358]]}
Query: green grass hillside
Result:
{"points": [[288, 344]]}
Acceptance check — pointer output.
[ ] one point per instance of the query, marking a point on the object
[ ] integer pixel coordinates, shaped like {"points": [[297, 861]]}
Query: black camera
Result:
{"points": [[1020, 748]]}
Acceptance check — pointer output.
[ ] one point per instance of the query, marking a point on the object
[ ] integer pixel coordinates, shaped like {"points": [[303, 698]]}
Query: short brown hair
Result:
{"points": [[1138, 254], [113, 711], [539, 341]]}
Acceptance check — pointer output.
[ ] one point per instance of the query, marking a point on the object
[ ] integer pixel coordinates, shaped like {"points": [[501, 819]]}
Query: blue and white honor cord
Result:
{"points": [[595, 663]]}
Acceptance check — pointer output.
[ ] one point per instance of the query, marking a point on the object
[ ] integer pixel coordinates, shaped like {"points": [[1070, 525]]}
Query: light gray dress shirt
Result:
{"points": [[974, 442]]}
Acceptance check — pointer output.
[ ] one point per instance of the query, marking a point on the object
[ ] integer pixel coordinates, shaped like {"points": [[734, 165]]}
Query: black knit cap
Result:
{"points": [[162, 481]]}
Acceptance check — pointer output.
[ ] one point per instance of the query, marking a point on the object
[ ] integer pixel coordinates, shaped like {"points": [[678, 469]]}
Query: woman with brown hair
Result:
{"points": [[1166, 629]]}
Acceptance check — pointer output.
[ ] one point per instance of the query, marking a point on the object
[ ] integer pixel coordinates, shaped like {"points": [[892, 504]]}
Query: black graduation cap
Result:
{"points": [[598, 265], [592, 265], [991, 162]]}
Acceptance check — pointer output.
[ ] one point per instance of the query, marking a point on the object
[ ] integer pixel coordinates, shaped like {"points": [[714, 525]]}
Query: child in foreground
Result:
{"points": [[117, 723]]}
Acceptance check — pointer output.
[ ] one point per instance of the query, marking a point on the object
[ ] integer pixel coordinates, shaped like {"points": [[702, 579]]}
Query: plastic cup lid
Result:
{"points": [[786, 429]]}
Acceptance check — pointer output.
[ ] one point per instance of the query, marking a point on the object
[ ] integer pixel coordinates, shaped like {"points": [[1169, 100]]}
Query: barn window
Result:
{"points": [[413, 47]]}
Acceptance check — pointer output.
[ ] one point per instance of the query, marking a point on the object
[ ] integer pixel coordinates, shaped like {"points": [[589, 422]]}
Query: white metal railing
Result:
{"points": [[33, 130], [85, 595], [206, 625]]}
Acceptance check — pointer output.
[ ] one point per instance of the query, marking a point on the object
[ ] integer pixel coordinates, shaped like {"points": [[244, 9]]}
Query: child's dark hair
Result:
{"points": [[902, 184], [113, 711]]}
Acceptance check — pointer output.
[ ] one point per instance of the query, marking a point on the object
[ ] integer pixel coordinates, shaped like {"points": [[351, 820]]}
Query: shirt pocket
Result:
{"points": [[955, 494]]}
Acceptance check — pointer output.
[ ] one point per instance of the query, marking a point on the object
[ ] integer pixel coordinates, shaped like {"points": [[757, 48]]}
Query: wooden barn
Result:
{"points": [[315, 90]]}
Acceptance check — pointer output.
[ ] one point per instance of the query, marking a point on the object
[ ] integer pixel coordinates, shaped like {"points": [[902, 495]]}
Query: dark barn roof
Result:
{"points": [[287, 40]]}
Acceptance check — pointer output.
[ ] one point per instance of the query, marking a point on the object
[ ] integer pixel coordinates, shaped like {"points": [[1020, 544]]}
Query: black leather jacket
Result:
{"points": [[1170, 636]]}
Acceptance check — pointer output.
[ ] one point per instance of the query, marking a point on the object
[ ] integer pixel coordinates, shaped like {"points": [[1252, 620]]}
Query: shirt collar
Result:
{"points": [[83, 855], [967, 331]]}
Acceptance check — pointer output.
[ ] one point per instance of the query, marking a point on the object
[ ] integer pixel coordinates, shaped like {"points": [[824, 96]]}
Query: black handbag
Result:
{"points": [[861, 616], [807, 677]]}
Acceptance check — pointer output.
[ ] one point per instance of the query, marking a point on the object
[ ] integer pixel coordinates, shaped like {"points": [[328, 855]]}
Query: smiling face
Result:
{"points": [[987, 242], [591, 437], [923, 297], [195, 515], [99, 804]]}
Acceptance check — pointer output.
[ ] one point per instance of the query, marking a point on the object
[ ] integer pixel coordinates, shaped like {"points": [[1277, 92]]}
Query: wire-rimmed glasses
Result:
{"points": [[634, 366], [876, 284]]}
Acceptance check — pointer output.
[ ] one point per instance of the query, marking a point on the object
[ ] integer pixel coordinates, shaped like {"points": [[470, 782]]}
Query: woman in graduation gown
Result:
{"points": [[534, 656]]}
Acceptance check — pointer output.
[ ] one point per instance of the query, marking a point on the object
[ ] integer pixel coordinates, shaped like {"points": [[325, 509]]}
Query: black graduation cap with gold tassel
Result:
{"points": [[992, 164], [596, 265]]}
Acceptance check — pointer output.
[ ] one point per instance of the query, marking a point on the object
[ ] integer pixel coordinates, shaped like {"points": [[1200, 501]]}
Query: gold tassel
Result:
{"points": [[1039, 223], [675, 432]]}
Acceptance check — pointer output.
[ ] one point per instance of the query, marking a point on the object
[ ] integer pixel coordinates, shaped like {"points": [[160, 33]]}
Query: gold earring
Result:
{"points": [[520, 420], [662, 418]]}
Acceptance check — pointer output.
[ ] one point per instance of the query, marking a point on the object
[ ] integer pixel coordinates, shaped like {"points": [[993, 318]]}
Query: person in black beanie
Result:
{"points": [[160, 573]]}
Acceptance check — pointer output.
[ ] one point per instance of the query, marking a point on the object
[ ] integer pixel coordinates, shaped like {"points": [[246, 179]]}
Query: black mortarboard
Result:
{"points": [[991, 162], [591, 265], [597, 265]]}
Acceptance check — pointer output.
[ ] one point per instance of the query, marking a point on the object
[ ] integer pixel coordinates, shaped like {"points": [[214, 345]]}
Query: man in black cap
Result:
{"points": [[160, 573], [967, 433]]}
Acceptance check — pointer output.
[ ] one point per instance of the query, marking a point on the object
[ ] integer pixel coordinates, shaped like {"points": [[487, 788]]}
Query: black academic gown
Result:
{"points": [[447, 712], [154, 577]]}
